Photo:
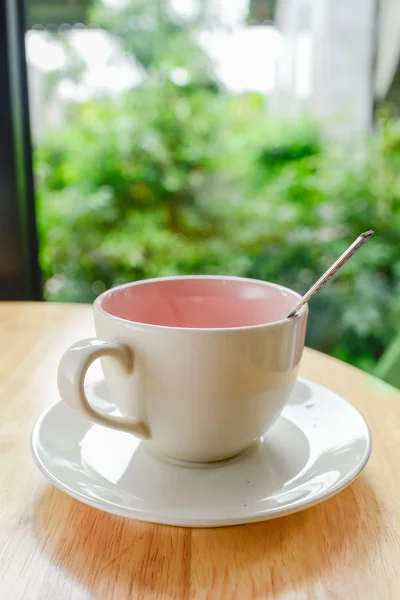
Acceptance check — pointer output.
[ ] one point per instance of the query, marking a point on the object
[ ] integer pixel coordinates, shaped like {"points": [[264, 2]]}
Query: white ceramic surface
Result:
{"points": [[317, 447], [203, 371]]}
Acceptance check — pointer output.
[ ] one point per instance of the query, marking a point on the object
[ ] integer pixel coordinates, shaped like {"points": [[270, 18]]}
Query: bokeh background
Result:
{"points": [[240, 137]]}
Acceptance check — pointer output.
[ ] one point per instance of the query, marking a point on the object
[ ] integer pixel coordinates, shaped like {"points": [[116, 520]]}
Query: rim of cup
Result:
{"points": [[98, 308]]}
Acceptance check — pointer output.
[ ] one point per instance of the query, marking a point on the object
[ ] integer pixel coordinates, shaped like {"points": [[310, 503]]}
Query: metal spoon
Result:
{"points": [[332, 270]]}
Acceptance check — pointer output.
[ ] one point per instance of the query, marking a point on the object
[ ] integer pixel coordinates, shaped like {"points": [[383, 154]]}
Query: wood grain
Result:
{"points": [[55, 548]]}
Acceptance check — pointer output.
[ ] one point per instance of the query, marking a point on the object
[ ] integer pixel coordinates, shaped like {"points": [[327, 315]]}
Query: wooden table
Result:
{"points": [[54, 548]]}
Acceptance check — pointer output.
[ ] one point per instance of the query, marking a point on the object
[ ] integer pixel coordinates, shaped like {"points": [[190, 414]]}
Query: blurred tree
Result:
{"points": [[176, 176], [162, 40], [149, 165]]}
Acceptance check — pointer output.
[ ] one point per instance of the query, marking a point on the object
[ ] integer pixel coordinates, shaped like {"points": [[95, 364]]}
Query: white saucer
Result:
{"points": [[317, 447]]}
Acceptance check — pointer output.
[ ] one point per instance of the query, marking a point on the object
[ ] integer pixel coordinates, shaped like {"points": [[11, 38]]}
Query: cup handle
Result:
{"points": [[71, 382]]}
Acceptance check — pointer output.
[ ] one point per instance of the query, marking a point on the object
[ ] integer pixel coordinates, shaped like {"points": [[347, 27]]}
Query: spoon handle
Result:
{"points": [[332, 270]]}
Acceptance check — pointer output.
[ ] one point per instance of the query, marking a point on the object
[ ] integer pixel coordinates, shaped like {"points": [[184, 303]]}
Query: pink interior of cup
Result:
{"points": [[200, 303]]}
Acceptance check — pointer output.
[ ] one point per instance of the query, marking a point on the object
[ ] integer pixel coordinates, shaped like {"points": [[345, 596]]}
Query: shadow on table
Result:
{"points": [[104, 556]]}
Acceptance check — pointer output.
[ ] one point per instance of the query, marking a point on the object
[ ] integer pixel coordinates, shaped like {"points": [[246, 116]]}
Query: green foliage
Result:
{"points": [[130, 190], [173, 179], [160, 39]]}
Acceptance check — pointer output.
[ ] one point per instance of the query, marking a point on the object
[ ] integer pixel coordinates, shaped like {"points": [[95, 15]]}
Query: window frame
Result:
{"points": [[20, 277]]}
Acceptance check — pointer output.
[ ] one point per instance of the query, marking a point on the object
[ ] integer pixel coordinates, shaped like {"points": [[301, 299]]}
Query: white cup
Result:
{"points": [[201, 366]]}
